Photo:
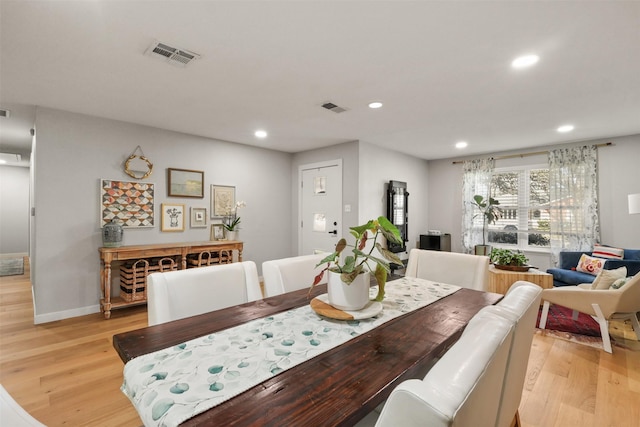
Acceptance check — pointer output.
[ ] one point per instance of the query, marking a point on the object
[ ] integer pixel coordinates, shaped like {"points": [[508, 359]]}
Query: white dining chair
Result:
{"points": [[178, 294], [462, 389], [467, 271], [14, 415], [520, 306], [290, 274]]}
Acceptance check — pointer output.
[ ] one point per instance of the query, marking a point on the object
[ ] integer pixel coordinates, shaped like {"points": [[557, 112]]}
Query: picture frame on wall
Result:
{"points": [[129, 203], [223, 200], [198, 217], [185, 183], [217, 232], [172, 217]]}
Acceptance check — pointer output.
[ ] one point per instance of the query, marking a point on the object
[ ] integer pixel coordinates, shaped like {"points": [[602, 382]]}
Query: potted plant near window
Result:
{"points": [[490, 214], [348, 282], [506, 259]]}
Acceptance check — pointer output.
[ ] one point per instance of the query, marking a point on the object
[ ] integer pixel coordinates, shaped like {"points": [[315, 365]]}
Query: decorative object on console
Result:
{"points": [[185, 183], [172, 217], [198, 217], [490, 214], [217, 232], [112, 233], [506, 259], [354, 265], [129, 164], [231, 222], [129, 202]]}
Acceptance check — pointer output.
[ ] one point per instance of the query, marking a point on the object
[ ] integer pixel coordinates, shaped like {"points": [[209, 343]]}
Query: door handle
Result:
{"points": [[334, 232]]}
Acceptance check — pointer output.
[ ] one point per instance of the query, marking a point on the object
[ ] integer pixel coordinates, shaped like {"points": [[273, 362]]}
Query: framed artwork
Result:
{"points": [[198, 217], [172, 217], [217, 232], [223, 200], [185, 183], [131, 203]]}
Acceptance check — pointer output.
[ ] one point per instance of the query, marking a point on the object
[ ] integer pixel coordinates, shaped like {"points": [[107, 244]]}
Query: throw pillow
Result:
{"points": [[620, 283], [607, 252], [590, 265], [606, 278]]}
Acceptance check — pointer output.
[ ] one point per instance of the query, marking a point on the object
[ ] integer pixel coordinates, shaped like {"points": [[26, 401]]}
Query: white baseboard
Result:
{"points": [[66, 314]]}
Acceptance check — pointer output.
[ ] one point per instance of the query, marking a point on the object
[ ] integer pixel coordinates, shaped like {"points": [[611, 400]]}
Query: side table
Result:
{"points": [[501, 280]]}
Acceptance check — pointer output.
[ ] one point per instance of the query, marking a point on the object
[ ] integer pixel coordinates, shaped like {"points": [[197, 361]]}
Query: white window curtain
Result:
{"points": [[573, 181], [476, 179]]}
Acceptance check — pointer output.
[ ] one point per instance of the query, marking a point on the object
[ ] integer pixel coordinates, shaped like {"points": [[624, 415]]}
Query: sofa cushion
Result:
{"points": [[632, 254], [620, 283], [605, 278], [601, 251], [590, 265], [562, 277]]}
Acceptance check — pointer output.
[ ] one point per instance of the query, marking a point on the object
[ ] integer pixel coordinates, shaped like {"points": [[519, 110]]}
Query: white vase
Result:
{"points": [[232, 235], [353, 296]]}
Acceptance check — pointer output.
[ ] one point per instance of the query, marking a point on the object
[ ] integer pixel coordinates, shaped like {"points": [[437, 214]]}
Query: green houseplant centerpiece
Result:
{"points": [[350, 278], [490, 214], [506, 259]]}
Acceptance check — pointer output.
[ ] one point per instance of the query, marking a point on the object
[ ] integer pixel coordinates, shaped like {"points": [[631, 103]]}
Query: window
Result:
{"points": [[523, 194]]}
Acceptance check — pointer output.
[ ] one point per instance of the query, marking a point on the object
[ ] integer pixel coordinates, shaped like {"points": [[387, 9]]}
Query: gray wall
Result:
{"points": [[14, 210], [378, 166], [75, 151], [619, 175]]}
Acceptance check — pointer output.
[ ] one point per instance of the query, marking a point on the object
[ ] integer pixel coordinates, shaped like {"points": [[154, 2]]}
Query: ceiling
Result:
{"points": [[442, 70]]}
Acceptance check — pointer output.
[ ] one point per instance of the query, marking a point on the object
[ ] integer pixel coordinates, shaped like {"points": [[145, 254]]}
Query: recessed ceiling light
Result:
{"points": [[525, 61], [375, 104], [261, 133], [461, 144], [565, 128], [2, 162]]}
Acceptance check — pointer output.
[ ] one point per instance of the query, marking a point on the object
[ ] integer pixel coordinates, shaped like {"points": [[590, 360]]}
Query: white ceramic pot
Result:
{"points": [[232, 235], [353, 296]]}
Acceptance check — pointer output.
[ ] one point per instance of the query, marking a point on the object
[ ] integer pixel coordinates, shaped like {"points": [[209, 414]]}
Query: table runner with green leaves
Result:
{"points": [[169, 386]]}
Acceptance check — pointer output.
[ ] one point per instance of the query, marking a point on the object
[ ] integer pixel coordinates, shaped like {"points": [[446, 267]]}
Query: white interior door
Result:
{"points": [[321, 202]]}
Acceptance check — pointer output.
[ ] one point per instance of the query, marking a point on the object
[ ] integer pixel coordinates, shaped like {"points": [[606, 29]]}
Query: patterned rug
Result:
{"points": [[11, 266], [585, 330]]}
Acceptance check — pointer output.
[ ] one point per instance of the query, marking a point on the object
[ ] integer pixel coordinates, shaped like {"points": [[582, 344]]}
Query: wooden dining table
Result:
{"points": [[335, 388]]}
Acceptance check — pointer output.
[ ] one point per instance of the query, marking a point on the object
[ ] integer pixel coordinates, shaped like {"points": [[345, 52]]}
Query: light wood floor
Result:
{"points": [[66, 373]]}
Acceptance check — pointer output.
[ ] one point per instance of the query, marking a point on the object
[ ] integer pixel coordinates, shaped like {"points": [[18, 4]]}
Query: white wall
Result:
{"points": [[75, 151], [14, 210], [618, 173]]}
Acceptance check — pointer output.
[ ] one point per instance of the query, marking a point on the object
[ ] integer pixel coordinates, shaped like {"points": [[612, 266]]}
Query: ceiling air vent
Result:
{"points": [[5, 113], [333, 107], [170, 54]]}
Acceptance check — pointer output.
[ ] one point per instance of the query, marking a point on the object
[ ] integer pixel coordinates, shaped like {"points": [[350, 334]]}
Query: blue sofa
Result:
{"points": [[565, 276]]}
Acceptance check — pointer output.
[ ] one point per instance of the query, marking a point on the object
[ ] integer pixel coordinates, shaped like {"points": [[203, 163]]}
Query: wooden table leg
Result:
{"points": [[105, 277]]}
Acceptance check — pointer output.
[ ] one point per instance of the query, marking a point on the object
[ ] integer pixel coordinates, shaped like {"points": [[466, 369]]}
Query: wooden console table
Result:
{"points": [[123, 253], [501, 280]]}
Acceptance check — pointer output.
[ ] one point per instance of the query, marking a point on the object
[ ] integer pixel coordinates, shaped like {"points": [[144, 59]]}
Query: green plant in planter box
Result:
{"points": [[508, 257], [355, 264]]}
